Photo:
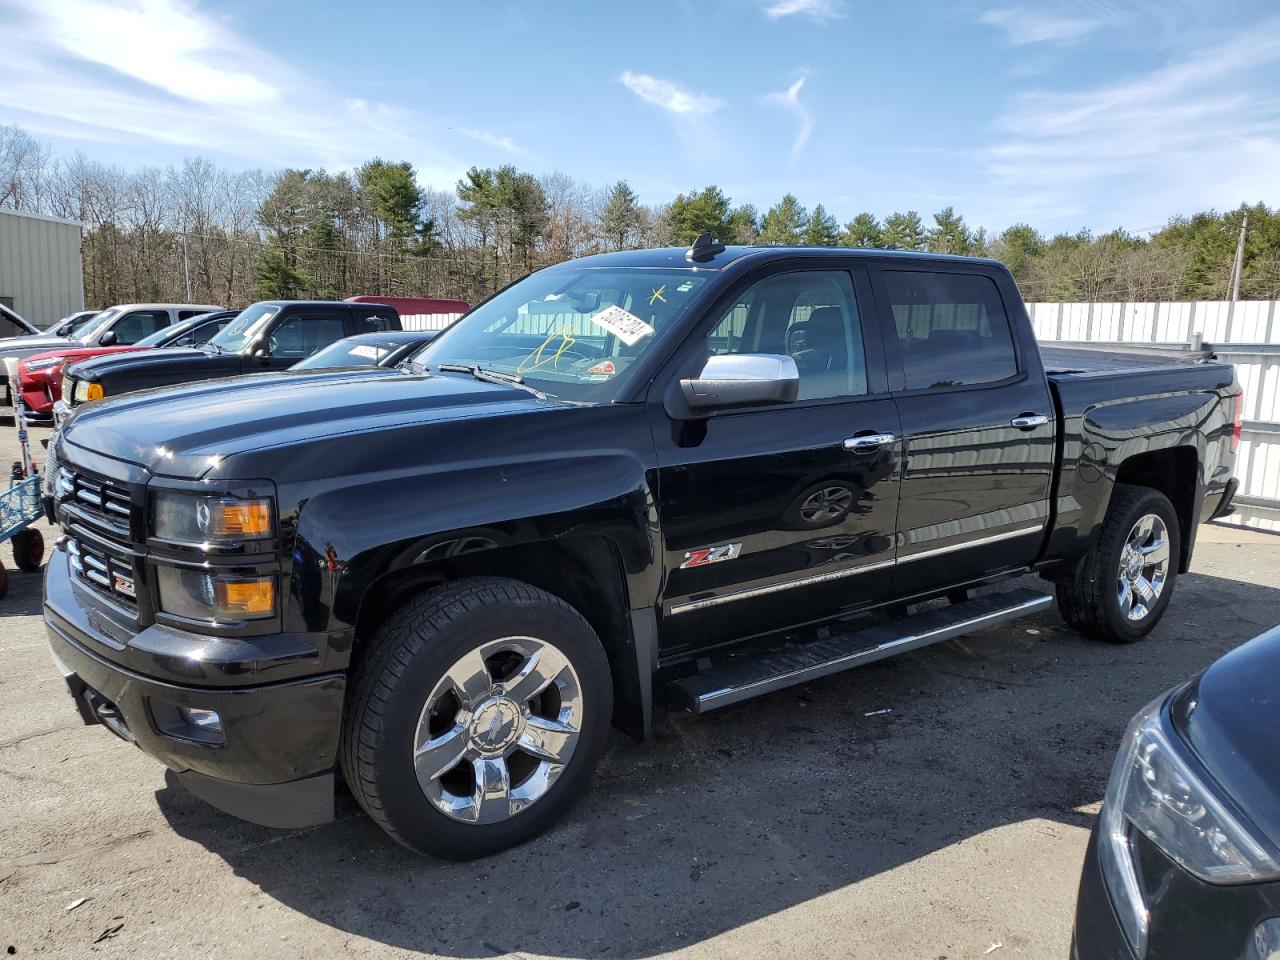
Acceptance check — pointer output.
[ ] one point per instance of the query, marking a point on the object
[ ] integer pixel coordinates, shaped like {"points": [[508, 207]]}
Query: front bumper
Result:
{"points": [[1097, 934], [61, 410], [273, 762], [1188, 918]]}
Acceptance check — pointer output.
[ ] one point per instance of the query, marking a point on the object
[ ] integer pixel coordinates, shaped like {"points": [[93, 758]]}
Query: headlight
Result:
{"points": [[87, 390], [195, 519], [1153, 789], [198, 595], [34, 366]]}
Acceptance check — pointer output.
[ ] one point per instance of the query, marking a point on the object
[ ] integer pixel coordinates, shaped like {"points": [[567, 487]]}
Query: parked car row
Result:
{"points": [[444, 575], [45, 358]]}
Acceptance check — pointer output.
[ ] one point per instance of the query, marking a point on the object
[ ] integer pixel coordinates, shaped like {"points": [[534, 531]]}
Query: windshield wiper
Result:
{"points": [[491, 376]]}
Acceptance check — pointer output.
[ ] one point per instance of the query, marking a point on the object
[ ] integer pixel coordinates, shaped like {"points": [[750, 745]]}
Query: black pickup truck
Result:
{"points": [[269, 335], [727, 469]]}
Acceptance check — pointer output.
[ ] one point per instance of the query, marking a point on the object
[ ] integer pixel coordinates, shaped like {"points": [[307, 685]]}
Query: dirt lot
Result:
{"points": [[806, 823]]}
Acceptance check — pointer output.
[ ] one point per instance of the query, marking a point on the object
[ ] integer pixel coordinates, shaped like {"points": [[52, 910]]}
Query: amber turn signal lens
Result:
{"points": [[239, 518], [246, 598], [94, 392]]}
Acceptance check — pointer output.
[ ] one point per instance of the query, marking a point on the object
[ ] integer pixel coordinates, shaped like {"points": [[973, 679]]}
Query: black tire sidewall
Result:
{"points": [[28, 550], [1121, 626], [415, 820]]}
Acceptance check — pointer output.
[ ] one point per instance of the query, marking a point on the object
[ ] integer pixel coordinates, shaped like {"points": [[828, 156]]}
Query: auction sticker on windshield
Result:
{"points": [[624, 325]]}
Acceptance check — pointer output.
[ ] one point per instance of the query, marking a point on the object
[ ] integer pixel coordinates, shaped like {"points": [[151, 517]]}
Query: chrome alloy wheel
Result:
{"points": [[827, 504], [498, 730], [1144, 565]]}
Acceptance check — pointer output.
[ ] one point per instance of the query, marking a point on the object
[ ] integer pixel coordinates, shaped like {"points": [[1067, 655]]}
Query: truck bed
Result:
{"points": [[1062, 361]]}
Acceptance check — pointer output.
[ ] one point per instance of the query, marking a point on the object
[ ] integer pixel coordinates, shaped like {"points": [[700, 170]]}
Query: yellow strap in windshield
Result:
{"points": [[537, 358]]}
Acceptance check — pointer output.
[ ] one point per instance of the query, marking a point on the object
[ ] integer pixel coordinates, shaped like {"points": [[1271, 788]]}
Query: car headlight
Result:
{"points": [[34, 366], [197, 520], [201, 595], [1155, 790], [87, 390]]}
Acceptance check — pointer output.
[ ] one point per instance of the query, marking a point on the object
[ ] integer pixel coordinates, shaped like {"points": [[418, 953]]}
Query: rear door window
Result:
{"points": [[367, 320], [136, 324], [301, 335], [952, 329]]}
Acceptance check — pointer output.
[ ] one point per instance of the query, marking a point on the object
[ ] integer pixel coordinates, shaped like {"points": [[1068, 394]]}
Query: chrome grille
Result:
{"points": [[103, 570], [102, 500]]}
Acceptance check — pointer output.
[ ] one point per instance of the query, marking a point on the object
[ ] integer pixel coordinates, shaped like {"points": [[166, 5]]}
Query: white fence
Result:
{"points": [[1245, 333], [427, 321]]}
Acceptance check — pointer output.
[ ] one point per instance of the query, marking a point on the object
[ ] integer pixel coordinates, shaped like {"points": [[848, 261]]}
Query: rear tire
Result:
{"points": [[460, 709], [1121, 588]]}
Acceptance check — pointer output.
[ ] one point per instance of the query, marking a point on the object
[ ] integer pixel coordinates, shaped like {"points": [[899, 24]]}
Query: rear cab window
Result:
{"points": [[952, 329]]}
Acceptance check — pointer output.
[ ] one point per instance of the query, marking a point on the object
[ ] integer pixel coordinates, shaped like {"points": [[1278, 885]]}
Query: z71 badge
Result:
{"points": [[705, 555]]}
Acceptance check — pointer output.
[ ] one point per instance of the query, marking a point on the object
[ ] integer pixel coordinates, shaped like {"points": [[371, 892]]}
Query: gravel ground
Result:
{"points": [[806, 823]]}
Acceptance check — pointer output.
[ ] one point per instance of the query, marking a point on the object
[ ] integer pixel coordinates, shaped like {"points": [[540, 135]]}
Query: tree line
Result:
{"points": [[202, 233]]}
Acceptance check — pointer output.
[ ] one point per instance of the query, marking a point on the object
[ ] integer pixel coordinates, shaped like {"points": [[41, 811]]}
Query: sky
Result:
{"points": [[1068, 114]]}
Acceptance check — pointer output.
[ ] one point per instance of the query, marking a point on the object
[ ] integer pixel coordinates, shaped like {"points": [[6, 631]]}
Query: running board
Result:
{"points": [[746, 677]]}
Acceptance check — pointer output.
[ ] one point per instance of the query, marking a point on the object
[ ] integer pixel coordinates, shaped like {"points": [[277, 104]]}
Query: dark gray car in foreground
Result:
{"points": [[1184, 862]]}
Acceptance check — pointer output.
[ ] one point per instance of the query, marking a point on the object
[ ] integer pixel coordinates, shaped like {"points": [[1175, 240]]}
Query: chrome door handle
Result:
{"points": [[1027, 421], [868, 442]]}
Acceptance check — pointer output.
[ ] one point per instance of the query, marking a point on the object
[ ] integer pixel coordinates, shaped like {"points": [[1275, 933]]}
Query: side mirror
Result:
{"points": [[736, 380], [260, 352], [108, 339]]}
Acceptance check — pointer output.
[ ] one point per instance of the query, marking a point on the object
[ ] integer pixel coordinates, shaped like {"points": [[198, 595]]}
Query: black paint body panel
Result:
{"points": [[386, 478]]}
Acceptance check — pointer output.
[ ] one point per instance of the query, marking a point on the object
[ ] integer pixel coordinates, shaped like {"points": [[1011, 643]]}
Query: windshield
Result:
{"points": [[347, 353], [77, 327], [571, 333], [245, 328], [166, 333], [97, 323]]}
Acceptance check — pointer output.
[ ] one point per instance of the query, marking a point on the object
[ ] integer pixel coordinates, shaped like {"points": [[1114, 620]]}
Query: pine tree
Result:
{"points": [[620, 215], [744, 225], [785, 223], [864, 230], [903, 231], [690, 215], [949, 233], [822, 230]]}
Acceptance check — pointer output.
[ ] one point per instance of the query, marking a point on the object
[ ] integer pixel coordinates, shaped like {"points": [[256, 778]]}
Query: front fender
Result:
{"points": [[348, 539]]}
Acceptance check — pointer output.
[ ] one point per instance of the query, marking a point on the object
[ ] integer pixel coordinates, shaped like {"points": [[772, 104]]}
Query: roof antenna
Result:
{"points": [[704, 248]]}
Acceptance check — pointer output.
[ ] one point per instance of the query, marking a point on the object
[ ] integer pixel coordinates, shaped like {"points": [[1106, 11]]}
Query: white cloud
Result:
{"points": [[163, 72], [494, 140], [789, 100], [1023, 26], [668, 95], [1201, 132], [817, 9]]}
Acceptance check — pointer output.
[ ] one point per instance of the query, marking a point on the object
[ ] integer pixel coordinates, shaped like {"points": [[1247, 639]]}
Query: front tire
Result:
{"points": [[476, 717], [1121, 588]]}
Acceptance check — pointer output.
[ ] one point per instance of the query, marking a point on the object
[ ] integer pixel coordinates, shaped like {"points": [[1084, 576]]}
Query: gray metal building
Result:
{"points": [[40, 273]]}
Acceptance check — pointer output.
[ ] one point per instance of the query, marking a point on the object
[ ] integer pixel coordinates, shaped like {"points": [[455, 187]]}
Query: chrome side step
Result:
{"points": [[743, 678]]}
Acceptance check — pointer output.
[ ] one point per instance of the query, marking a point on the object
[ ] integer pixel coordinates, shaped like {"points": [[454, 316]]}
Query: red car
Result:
{"points": [[40, 375]]}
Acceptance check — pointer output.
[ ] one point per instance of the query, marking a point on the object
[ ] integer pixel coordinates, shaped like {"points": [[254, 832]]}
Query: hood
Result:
{"points": [[75, 354], [209, 364], [186, 431], [26, 345], [1230, 716]]}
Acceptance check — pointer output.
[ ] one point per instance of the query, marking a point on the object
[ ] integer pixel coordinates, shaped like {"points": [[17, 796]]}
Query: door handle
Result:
{"points": [[1029, 421], [865, 443]]}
